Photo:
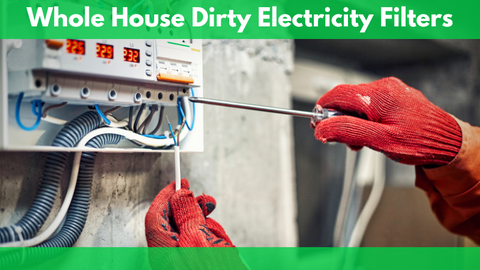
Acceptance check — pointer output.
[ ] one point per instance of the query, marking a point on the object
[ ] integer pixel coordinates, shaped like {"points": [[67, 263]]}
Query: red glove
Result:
{"points": [[177, 219], [398, 120]]}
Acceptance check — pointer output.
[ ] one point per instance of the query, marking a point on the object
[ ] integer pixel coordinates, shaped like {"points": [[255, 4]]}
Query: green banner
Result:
{"points": [[246, 19], [241, 258]]}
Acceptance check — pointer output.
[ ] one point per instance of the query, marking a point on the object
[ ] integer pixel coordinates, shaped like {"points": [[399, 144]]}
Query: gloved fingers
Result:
{"points": [[207, 203], [161, 235], [191, 222], [185, 209], [354, 132], [158, 230], [352, 99], [218, 230]]}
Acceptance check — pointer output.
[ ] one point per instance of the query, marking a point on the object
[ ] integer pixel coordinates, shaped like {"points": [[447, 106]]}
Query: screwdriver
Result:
{"points": [[316, 115]]}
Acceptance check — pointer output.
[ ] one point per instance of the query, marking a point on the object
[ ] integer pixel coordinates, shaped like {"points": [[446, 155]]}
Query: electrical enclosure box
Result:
{"points": [[85, 72]]}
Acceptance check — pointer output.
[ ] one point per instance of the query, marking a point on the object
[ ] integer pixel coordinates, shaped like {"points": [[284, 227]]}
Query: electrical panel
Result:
{"points": [[82, 73]]}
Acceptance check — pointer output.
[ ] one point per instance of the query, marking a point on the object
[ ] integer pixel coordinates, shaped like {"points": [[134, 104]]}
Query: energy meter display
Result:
{"points": [[131, 55], [75, 46], [104, 51]]}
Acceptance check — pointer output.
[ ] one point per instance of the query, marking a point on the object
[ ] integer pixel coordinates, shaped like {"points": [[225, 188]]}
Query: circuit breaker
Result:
{"points": [[83, 73]]}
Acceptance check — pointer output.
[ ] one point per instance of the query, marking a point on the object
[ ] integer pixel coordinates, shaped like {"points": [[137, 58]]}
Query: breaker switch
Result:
{"points": [[54, 44], [174, 78]]}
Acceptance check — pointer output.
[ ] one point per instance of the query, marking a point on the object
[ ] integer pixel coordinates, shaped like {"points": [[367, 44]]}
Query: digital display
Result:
{"points": [[75, 46], [104, 51], [131, 55]]}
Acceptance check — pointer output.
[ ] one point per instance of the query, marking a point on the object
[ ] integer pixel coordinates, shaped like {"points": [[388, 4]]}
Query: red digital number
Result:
{"points": [[75, 46], [131, 55], [104, 51]]}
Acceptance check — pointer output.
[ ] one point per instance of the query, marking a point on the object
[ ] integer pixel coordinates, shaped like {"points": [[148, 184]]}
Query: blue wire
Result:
{"points": [[102, 115], [183, 114], [154, 136], [36, 109], [180, 115], [173, 135]]}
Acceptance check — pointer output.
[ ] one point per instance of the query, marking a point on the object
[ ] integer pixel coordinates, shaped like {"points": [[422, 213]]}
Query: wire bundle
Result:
{"points": [[78, 210], [33, 220]]}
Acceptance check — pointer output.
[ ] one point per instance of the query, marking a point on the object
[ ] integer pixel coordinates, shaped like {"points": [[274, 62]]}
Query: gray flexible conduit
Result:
{"points": [[78, 210], [34, 219]]}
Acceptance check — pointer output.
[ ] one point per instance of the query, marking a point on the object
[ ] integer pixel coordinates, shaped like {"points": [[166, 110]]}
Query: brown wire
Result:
{"points": [[112, 110], [147, 121], [178, 133], [52, 107], [160, 120]]}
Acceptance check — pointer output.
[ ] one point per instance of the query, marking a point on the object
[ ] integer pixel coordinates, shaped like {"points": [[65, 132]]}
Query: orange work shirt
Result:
{"points": [[454, 189]]}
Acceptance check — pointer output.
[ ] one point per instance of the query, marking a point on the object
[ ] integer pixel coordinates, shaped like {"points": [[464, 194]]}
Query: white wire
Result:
{"points": [[372, 202], [132, 136], [177, 167], [115, 123], [341, 220], [54, 120], [61, 214]]}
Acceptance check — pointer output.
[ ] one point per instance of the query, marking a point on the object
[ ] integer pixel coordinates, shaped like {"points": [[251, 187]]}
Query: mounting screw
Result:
{"points": [[112, 95], [137, 98], [85, 92], [55, 90]]}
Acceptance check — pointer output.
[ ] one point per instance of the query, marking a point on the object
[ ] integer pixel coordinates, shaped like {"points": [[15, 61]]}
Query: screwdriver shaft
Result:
{"points": [[252, 107]]}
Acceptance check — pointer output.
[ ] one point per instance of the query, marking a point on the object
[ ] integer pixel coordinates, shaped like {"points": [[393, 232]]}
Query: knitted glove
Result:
{"points": [[178, 219], [194, 228], [393, 118], [159, 226]]}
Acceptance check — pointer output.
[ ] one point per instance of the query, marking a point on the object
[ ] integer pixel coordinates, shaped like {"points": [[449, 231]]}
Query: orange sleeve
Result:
{"points": [[454, 189]]}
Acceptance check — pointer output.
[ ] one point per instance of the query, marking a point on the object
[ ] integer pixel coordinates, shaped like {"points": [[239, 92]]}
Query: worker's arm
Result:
{"points": [[454, 189], [399, 121]]}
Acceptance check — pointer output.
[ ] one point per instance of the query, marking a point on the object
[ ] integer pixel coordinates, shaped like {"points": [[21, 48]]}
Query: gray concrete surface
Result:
{"points": [[247, 164]]}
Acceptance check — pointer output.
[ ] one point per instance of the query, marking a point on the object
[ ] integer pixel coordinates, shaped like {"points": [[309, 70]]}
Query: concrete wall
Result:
{"points": [[247, 164]]}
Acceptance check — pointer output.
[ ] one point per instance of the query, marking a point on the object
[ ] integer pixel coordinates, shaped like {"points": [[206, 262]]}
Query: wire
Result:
{"points": [[54, 120], [183, 114], [150, 140], [139, 114], [147, 120], [155, 136], [144, 139], [61, 213], [171, 130], [112, 110], [130, 118], [36, 109], [56, 106], [108, 122], [372, 202], [180, 130], [340, 222], [160, 119], [117, 124]]}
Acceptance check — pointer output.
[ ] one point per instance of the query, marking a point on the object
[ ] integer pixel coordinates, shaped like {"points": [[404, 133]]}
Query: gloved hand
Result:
{"points": [[398, 120], [177, 219]]}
